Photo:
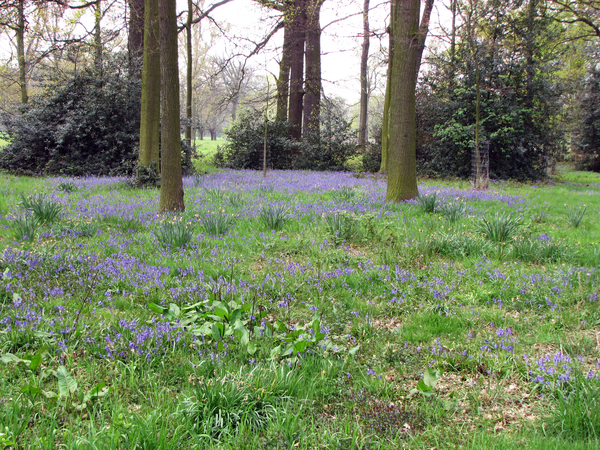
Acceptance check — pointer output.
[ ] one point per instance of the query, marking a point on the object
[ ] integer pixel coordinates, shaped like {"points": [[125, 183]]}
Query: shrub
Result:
{"points": [[328, 149], [79, 126]]}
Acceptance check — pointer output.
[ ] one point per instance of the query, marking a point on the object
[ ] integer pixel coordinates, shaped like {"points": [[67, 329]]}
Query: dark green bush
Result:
{"points": [[81, 125], [328, 149]]}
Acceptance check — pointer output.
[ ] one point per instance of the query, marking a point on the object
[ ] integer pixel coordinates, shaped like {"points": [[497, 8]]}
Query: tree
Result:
{"points": [[407, 41], [150, 110], [364, 88], [171, 186]]}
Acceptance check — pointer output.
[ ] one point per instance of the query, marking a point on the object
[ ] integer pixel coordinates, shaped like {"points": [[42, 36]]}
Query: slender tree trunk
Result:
{"points": [[298, 17], [150, 110], [406, 53], [98, 36], [20, 32], [283, 81], [312, 96], [453, 42], [135, 38], [171, 185], [385, 124], [479, 182], [364, 88], [189, 80]]}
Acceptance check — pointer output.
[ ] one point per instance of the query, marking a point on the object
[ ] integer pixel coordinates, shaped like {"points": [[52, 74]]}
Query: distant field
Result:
{"points": [[206, 151]]}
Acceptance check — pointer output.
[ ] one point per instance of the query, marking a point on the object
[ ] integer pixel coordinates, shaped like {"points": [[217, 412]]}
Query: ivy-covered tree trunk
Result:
{"points": [[364, 88], [135, 38], [150, 110], [283, 81], [20, 34], [298, 19], [312, 96], [408, 42], [171, 184]]}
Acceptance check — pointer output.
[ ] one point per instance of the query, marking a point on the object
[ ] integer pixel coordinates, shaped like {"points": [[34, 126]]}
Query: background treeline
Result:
{"points": [[521, 74]]}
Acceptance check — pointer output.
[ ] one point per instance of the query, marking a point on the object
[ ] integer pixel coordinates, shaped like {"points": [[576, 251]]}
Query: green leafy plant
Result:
{"points": [[174, 234], [217, 223], [576, 413], [26, 227], [214, 195], [274, 216], [344, 193], [67, 386], [427, 203], [429, 381], [452, 211], [215, 320], [236, 199], [45, 210], [67, 187], [575, 214], [340, 225], [499, 228]]}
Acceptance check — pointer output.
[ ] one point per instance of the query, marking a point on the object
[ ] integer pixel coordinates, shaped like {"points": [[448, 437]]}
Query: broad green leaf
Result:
{"points": [[31, 390], [8, 358], [251, 348], [430, 377], [174, 310], [220, 312], [235, 316], [300, 346], [216, 333], [66, 383], [36, 360], [156, 308], [353, 350]]}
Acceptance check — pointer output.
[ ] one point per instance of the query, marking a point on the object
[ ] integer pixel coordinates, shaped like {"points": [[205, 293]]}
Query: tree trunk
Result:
{"points": [[283, 81], [98, 36], [298, 18], [405, 59], [364, 88], [213, 134], [189, 80], [20, 32], [171, 184], [150, 110], [135, 38], [312, 96]]}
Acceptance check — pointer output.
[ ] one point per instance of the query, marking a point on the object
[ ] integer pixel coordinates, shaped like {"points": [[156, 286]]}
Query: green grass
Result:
{"points": [[224, 327]]}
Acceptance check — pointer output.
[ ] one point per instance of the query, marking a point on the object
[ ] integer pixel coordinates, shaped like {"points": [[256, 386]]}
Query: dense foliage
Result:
{"points": [[328, 149], [589, 124], [82, 125], [519, 99]]}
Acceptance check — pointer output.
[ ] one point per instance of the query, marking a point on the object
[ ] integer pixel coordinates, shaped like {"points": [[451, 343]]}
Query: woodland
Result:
{"points": [[213, 237]]}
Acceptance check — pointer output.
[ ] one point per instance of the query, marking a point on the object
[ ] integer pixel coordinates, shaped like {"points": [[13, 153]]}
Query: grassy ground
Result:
{"points": [[299, 311]]}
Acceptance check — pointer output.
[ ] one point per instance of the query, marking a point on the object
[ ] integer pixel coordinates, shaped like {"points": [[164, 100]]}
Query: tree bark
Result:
{"points": [[283, 81], [189, 80], [20, 32], [405, 59], [312, 96], [298, 18], [364, 88], [171, 184], [150, 110], [135, 38]]}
